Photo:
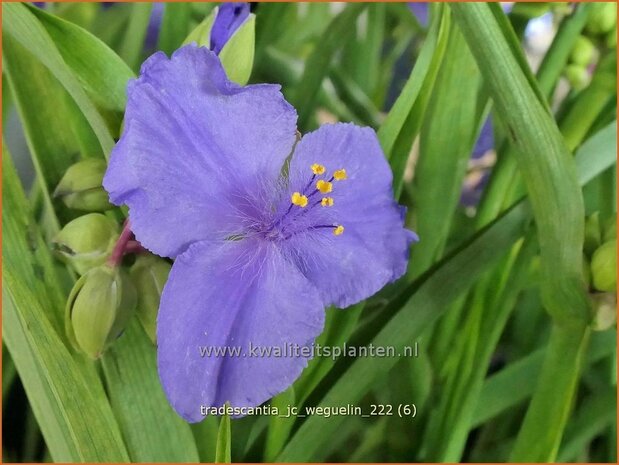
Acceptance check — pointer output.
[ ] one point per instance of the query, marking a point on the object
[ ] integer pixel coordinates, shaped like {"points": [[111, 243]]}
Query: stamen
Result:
{"points": [[299, 199], [340, 175], [324, 186], [339, 230], [327, 202], [318, 169]]}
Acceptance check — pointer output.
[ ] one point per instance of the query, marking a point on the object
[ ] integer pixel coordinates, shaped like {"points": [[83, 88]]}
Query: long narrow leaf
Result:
{"points": [[65, 394]]}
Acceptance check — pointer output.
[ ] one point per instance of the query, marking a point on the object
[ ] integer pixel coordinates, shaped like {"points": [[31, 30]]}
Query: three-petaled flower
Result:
{"points": [[266, 230]]}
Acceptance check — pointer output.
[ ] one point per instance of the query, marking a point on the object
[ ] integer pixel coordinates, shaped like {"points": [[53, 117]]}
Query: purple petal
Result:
{"points": [[421, 11], [232, 294], [154, 25], [191, 140], [229, 18], [374, 248], [485, 141]]}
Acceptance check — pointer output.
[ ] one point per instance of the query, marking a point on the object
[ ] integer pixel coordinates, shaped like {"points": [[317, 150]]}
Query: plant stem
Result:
{"points": [[121, 245]]}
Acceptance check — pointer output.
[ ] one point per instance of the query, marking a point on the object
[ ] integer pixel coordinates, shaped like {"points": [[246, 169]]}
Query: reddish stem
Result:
{"points": [[121, 245], [134, 247]]}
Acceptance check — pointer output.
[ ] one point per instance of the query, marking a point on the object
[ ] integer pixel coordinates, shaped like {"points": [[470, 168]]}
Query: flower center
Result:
{"points": [[314, 196]]}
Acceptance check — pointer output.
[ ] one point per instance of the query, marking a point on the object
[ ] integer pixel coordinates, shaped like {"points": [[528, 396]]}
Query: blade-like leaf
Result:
{"points": [[318, 63], [133, 45], [446, 140], [65, 392], [174, 26], [56, 131], [152, 430], [402, 124], [21, 24], [103, 74], [223, 451]]}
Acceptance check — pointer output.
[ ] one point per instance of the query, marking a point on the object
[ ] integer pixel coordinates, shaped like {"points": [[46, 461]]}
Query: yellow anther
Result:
{"points": [[327, 202], [340, 175], [318, 168], [324, 186], [299, 199], [339, 230]]}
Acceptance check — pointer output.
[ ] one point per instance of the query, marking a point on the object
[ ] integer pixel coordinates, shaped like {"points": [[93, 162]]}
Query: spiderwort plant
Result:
{"points": [[266, 228]]}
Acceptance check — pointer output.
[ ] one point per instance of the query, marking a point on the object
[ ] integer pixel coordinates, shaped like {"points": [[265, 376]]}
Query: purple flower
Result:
{"points": [[421, 11], [229, 18], [263, 241], [154, 25], [485, 141]]}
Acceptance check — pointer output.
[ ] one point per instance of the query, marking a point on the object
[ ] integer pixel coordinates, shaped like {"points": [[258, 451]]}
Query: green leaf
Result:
{"points": [[56, 131], [133, 43], [355, 98], [21, 24], [596, 151], [550, 177], [598, 412], [205, 435], [152, 430], [556, 58], [222, 453], [64, 390], [279, 428], [339, 325], [318, 62], [237, 56], [402, 124], [516, 382], [448, 134], [361, 57], [201, 34], [500, 191], [174, 26], [103, 74], [546, 164]]}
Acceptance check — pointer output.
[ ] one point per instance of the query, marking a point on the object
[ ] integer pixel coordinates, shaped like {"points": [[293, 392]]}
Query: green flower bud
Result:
{"points": [[602, 17], [583, 52], [531, 10], [149, 274], [577, 76], [86, 241], [99, 308], [604, 311], [237, 56], [201, 35], [610, 229], [593, 234], [81, 186], [604, 267]]}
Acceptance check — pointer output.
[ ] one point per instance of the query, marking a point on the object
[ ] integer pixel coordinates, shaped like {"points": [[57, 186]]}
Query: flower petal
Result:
{"points": [[229, 18], [374, 247], [232, 294], [191, 138]]}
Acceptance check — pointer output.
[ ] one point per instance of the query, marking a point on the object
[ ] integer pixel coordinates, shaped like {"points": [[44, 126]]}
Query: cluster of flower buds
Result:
{"points": [[600, 250], [81, 186], [107, 294], [600, 33]]}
